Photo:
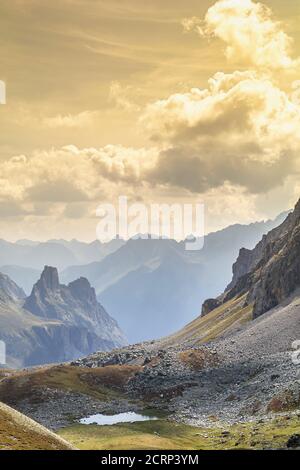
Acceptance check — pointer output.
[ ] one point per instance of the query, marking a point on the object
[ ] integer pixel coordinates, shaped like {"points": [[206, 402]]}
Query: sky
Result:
{"points": [[195, 101]]}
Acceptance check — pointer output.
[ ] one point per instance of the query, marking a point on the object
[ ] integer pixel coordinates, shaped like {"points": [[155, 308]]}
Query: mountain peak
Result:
{"points": [[49, 278], [82, 289]]}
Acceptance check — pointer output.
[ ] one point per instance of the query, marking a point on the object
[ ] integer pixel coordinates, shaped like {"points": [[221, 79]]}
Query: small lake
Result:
{"points": [[106, 420]]}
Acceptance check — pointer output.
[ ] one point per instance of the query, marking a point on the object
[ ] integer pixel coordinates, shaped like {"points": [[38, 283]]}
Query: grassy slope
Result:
{"points": [[17, 432], [108, 383], [222, 320], [166, 435], [102, 383]]}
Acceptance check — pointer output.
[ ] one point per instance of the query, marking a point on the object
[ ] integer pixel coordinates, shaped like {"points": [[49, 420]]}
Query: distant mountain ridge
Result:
{"points": [[154, 287], [59, 253]]}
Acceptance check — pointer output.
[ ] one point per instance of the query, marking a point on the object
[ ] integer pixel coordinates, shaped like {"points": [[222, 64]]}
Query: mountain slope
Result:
{"points": [[270, 272], [22, 276], [17, 432], [9, 289]]}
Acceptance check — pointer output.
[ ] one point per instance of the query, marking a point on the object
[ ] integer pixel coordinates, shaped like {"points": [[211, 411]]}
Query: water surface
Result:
{"points": [[106, 420]]}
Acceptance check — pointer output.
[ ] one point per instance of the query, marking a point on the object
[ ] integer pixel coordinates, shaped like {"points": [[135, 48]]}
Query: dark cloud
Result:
{"points": [[199, 172], [56, 191], [10, 208]]}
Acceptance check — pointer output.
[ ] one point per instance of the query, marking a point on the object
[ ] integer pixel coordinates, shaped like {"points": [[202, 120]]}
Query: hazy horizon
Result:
{"points": [[92, 240]]}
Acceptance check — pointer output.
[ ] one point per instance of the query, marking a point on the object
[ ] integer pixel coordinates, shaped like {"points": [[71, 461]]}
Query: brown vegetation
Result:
{"points": [[198, 359]]}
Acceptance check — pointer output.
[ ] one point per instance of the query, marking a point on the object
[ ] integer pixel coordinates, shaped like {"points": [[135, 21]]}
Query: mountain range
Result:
{"points": [[151, 287], [154, 287], [55, 323], [59, 253]]}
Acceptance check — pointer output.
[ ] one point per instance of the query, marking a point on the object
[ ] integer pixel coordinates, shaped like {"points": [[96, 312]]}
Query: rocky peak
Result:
{"points": [[49, 278], [82, 289], [75, 304], [209, 305], [246, 260]]}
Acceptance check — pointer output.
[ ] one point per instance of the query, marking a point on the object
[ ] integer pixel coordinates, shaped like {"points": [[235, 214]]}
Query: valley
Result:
{"points": [[225, 380]]}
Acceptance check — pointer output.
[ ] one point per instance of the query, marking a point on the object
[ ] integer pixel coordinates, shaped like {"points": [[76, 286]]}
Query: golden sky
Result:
{"points": [[156, 100]]}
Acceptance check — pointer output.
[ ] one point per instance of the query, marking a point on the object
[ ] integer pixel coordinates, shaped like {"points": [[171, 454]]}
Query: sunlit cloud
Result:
{"points": [[83, 119], [250, 32], [232, 137], [242, 129], [121, 97]]}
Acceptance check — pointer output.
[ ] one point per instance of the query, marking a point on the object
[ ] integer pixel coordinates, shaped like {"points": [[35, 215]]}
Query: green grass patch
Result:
{"points": [[168, 435]]}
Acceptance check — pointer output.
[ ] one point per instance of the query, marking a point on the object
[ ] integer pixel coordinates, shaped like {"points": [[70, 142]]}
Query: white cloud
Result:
{"points": [[242, 129], [236, 139], [251, 33], [83, 119], [121, 97], [71, 175]]}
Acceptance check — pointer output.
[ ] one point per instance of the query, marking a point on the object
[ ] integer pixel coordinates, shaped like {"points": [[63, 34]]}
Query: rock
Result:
{"points": [[209, 305], [293, 442], [274, 377]]}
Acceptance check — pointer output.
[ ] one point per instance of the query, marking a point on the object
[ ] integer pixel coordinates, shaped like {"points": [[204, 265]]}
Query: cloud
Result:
{"points": [[192, 24], [55, 191], [83, 119], [242, 129], [75, 211], [236, 138], [73, 175], [251, 33], [121, 97], [118, 163], [10, 208]]}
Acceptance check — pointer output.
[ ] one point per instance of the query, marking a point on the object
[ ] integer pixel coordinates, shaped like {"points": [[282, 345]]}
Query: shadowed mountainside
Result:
{"points": [[55, 323], [268, 274]]}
